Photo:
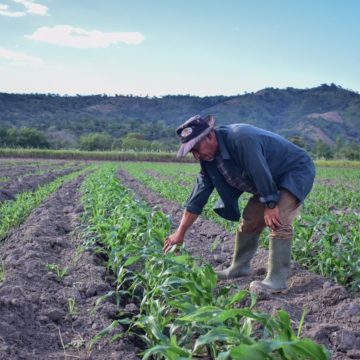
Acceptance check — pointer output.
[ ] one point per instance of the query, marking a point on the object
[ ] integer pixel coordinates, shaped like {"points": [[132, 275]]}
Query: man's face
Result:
{"points": [[206, 149]]}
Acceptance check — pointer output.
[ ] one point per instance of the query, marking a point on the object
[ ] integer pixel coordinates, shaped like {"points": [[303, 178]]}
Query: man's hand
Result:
{"points": [[272, 217], [177, 238], [173, 239]]}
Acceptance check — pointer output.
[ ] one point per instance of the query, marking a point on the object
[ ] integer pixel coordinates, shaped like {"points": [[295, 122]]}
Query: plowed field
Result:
{"points": [[52, 288]]}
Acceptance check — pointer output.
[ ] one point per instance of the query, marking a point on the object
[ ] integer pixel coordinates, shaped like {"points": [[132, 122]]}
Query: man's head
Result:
{"points": [[197, 135]]}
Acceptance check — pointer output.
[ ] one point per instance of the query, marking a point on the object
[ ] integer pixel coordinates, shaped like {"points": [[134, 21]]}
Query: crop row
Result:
{"points": [[13, 213], [181, 312], [91, 155], [34, 172], [127, 156], [327, 237], [10, 170]]}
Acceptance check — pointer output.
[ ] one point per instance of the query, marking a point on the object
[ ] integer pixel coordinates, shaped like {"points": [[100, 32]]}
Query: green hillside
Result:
{"points": [[326, 112]]}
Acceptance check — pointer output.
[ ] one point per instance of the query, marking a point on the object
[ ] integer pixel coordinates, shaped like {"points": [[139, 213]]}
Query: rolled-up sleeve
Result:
{"points": [[258, 169], [200, 194]]}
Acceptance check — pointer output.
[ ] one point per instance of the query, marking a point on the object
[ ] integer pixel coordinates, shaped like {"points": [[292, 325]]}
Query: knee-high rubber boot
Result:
{"points": [[245, 246], [278, 267]]}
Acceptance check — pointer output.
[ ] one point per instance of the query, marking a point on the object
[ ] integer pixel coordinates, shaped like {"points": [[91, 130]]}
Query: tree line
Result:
{"points": [[135, 141], [32, 138]]}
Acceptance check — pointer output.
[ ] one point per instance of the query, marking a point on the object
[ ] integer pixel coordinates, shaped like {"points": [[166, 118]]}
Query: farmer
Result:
{"points": [[241, 158]]}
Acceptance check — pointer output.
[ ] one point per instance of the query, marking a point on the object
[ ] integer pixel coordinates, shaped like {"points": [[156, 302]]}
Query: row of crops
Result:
{"points": [[126, 156], [13, 213], [327, 236], [11, 169], [182, 313], [90, 155]]}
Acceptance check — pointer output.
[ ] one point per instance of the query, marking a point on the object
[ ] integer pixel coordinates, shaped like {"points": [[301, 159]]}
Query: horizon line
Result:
{"points": [[245, 92]]}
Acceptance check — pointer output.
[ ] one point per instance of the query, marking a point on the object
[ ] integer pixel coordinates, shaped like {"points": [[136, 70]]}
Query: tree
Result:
{"points": [[135, 144], [135, 141], [95, 141], [323, 150], [27, 137], [116, 144], [24, 137], [297, 140], [3, 136]]}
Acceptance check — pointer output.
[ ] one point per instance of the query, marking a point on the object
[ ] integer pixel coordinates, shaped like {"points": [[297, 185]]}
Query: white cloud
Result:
{"points": [[4, 10], [66, 35], [19, 57], [31, 7]]}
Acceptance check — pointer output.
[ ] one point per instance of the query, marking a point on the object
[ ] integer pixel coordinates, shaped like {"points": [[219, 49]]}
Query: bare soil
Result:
{"points": [[332, 313], [19, 184], [19, 168], [36, 321]]}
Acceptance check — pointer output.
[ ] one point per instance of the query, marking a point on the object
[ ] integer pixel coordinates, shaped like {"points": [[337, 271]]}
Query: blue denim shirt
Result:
{"points": [[266, 161]]}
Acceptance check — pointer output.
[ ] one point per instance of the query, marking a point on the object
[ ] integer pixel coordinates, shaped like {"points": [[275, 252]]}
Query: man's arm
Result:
{"points": [[200, 193], [177, 238], [193, 208]]}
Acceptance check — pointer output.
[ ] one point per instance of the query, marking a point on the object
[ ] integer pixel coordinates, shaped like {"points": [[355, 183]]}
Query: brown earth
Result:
{"points": [[19, 167], [332, 313], [332, 116], [35, 318], [19, 170], [19, 184]]}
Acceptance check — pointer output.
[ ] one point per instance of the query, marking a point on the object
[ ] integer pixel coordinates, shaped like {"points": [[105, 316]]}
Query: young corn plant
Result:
{"points": [[181, 313], [2, 272], [13, 213], [72, 306], [327, 236], [60, 272]]}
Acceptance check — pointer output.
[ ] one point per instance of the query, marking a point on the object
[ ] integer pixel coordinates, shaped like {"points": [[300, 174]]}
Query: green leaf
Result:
{"points": [[240, 295], [308, 349], [204, 313], [221, 334], [131, 260], [257, 351], [286, 330], [170, 352]]}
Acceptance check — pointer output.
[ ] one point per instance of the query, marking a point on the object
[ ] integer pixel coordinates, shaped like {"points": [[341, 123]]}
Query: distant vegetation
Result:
{"points": [[324, 120]]}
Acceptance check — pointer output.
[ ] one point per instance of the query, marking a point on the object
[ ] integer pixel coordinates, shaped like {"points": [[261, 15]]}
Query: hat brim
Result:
{"points": [[186, 147]]}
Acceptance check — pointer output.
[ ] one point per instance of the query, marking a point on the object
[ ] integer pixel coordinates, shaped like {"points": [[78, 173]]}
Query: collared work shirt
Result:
{"points": [[260, 161]]}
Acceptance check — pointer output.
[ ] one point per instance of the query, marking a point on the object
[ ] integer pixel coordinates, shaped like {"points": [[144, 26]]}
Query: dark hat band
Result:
{"points": [[190, 132]]}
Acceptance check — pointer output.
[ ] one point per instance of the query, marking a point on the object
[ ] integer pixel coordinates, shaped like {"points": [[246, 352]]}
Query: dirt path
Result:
{"points": [[46, 316], [332, 314]]}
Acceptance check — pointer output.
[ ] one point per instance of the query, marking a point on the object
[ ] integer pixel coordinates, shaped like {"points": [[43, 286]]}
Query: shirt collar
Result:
{"points": [[223, 151]]}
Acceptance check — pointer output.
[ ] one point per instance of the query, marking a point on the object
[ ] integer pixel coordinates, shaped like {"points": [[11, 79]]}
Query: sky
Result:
{"points": [[159, 47]]}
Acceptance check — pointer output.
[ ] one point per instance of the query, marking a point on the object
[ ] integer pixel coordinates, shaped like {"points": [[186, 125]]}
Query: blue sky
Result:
{"points": [[158, 47]]}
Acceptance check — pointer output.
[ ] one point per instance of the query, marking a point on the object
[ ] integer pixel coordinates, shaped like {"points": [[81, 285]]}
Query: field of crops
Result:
{"points": [[327, 234], [83, 275]]}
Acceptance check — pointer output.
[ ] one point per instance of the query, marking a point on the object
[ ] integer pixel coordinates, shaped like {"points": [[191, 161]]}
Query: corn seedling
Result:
{"points": [[327, 236], [2, 272], [72, 306], [60, 273], [13, 213], [180, 312]]}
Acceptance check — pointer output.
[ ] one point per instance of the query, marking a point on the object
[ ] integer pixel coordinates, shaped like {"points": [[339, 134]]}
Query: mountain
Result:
{"points": [[325, 112]]}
